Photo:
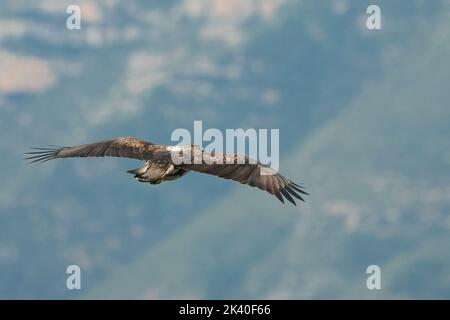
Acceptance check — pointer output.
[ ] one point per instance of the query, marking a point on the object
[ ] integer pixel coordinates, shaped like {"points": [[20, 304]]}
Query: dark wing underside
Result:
{"points": [[125, 147], [252, 174]]}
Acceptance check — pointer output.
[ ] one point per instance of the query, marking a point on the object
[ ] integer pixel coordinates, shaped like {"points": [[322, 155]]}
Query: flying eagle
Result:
{"points": [[159, 165]]}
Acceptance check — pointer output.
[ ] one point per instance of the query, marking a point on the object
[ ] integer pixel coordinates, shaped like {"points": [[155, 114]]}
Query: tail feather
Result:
{"points": [[138, 171]]}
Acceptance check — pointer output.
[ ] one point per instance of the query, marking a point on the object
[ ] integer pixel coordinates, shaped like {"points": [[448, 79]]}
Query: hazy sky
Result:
{"points": [[363, 119]]}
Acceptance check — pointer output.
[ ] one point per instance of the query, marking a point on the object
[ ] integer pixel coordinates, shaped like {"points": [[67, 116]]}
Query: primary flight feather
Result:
{"points": [[159, 165]]}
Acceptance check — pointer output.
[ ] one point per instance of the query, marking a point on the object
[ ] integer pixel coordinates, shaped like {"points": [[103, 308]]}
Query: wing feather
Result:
{"points": [[126, 147], [247, 171], [287, 195]]}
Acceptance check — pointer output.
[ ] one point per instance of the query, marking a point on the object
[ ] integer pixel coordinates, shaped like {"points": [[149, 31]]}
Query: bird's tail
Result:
{"points": [[139, 172]]}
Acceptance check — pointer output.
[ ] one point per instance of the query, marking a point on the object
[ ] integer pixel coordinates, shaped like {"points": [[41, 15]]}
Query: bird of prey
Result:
{"points": [[159, 165]]}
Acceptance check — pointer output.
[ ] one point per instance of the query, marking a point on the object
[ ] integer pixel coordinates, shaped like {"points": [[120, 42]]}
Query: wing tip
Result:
{"points": [[41, 155], [292, 189]]}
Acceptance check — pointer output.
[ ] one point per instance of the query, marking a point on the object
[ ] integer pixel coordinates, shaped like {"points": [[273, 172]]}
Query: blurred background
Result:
{"points": [[364, 124]]}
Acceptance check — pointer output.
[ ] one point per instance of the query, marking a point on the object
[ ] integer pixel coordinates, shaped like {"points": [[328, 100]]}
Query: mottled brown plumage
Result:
{"points": [[159, 165]]}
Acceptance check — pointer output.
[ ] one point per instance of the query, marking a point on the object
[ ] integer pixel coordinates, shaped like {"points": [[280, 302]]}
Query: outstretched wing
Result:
{"points": [[125, 147], [245, 171]]}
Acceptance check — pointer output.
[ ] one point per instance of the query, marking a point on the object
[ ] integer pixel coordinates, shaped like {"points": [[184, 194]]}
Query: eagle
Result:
{"points": [[159, 165]]}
